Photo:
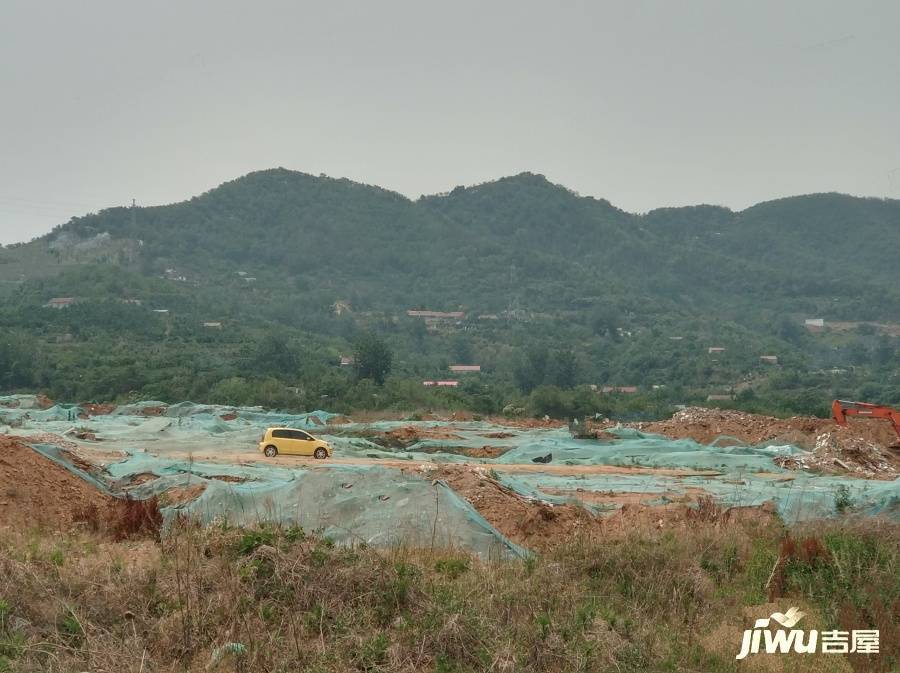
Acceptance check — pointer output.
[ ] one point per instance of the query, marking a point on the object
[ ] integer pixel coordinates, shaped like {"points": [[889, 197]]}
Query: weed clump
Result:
{"points": [[221, 597]]}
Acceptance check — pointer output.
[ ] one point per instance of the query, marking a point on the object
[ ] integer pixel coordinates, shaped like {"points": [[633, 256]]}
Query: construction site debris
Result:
{"points": [[862, 447]]}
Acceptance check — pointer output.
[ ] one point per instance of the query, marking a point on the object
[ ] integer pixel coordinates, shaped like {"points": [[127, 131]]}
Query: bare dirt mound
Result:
{"points": [[37, 491], [94, 409], [406, 436], [533, 524], [705, 425], [526, 423], [541, 526]]}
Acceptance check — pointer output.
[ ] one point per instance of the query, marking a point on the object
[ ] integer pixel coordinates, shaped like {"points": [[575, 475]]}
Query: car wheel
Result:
{"points": [[270, 451], [321, 453]]}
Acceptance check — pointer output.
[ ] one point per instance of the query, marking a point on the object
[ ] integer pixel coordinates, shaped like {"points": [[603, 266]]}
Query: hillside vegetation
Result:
{"points": [[220, 598], [559, 291]]}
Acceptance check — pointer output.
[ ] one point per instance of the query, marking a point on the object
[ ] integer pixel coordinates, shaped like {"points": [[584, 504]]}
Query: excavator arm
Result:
{"points": [[841, 409]]}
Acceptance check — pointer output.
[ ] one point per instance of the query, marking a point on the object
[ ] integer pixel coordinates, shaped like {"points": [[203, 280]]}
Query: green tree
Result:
{"points": [[532, 369], [274, 355], [373, 358], [565, 369], [461, 350]]}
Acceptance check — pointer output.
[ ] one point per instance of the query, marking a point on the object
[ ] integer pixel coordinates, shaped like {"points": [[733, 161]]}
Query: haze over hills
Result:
{"points": [[560, 271]]}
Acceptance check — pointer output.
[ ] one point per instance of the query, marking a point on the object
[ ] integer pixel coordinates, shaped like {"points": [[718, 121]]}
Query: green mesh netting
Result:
{"points": [[385, 505]]}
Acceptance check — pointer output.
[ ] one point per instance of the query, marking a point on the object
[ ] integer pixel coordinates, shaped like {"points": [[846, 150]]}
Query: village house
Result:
{"points": [[437, 315], [60, 302], [814, 324]]}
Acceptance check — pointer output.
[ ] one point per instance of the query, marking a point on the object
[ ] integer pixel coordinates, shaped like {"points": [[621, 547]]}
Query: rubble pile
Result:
{"points": [[840, 450], [862, 448], [706, 425]]}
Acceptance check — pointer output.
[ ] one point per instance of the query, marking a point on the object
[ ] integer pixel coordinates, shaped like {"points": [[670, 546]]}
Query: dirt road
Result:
{"points": [[254, 457]]}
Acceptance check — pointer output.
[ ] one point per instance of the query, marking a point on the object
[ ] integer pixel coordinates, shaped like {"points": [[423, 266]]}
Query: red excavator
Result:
{"points": [[840, 409]]}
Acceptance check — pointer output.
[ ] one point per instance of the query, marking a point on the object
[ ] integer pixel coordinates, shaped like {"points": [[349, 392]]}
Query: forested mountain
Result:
{"points": [[519, 237], [321, 260]]}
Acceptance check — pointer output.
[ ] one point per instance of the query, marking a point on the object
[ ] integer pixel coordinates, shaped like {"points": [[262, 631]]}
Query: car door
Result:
{"points": [[304, 442], [284, 442]]}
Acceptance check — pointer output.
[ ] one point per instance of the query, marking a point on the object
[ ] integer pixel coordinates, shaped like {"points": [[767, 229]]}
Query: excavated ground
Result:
{"points": [[541, 526], [35, 491], [862, 448]]}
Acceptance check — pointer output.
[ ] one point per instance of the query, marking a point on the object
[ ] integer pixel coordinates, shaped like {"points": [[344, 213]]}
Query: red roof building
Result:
{"points": [[60, 302]]}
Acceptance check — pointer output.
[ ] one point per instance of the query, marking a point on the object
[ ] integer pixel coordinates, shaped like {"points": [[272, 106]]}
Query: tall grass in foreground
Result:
{"points": [[220, 598]]}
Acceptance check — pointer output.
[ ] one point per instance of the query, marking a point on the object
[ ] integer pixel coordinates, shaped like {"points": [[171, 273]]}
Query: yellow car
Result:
{"points": [[293, 443]]}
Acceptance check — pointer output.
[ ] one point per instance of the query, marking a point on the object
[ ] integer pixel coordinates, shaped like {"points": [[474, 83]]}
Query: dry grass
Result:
{"points": [[122, 518], [219, 598]]}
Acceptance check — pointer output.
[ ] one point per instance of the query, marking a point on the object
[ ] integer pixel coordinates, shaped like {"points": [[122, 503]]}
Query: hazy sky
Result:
{"points": [[645, 103]]}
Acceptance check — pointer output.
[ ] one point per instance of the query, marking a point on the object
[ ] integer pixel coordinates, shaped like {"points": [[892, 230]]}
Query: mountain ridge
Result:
{"points": [[619, 297], [257, 177]]}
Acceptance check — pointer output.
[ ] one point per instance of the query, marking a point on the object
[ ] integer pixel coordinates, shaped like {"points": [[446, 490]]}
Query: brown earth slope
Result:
{"points": [[37, 491]]}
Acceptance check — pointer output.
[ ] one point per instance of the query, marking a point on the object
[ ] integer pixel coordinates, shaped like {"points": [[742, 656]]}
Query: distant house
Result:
{"points": [[429, 383], [489, 316], [347, 360], [250, 279], [716, 349], [340, 307], [437, 315], [447, 384], [136, 302], [213, 323], [60, 302], [628, 390], [465, 368], [676, 338], [161, 310], [769, 359], [814, 323]]}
